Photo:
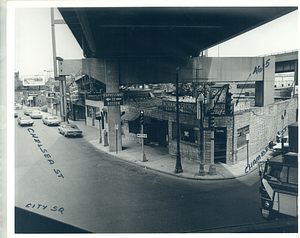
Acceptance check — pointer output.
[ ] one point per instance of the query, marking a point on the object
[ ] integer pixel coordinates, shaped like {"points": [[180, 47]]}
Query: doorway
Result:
{"points": [[220, 144]]}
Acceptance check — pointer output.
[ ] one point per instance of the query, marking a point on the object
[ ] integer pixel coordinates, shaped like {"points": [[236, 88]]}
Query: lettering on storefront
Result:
{"points": [[44, 151], [184, 107]]}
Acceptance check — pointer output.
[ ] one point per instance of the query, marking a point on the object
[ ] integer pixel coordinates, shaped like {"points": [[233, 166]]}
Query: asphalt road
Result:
{"points": [[67, 180]]}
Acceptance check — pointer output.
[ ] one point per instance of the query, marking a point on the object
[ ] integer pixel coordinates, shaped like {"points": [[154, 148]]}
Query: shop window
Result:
{"points": [[187, 133], [293, 175], [134, 126], [241, 136]]}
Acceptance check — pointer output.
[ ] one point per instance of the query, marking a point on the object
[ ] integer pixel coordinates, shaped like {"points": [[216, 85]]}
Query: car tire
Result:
{"points": [[64, 134]]}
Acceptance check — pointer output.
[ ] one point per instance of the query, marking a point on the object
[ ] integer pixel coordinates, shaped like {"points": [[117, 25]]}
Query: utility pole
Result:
{"points": [[62, 80]]}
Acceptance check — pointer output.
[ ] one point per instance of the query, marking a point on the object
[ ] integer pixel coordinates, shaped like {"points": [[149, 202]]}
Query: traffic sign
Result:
{"points": [[113, 99], [141, 135]]}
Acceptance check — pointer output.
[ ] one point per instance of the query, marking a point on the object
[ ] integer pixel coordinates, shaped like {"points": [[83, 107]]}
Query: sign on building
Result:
{"points": [[184, 107], [113, 99]]}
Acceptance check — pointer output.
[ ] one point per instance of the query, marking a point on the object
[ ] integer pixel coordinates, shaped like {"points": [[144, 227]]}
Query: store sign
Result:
{"points": [[184, 107], [141, 135], [74, 93], [219, 109]]}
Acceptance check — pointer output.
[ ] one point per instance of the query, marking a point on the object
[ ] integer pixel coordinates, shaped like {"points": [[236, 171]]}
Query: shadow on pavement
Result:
{"points": [[29, 222]]}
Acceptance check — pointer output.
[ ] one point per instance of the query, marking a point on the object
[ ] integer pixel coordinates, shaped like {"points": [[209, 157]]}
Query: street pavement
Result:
{"points": [[160, 160], [79, 198]]}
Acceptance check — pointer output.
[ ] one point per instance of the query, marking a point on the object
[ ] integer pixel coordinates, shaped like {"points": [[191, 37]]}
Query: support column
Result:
{"points": [[114, 112], [264, 90]]}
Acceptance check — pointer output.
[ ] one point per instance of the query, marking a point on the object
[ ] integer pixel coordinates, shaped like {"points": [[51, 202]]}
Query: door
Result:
{"points": [[220, 144]]}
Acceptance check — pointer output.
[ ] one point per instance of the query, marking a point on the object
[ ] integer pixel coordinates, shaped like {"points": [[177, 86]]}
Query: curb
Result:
{"points": [[169, 173]]}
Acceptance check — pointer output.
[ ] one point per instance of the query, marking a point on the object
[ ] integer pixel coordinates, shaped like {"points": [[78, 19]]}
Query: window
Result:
{"points": [[187, 133], [241, 136], [283, 174], [293, 175]]}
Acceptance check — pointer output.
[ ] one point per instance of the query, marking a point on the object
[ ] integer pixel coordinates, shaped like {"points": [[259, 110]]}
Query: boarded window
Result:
{"points": [[187, 133], [241, 136]]}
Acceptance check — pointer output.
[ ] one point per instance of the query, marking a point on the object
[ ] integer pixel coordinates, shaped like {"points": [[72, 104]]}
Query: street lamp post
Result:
{"points": [[178, 168], [201, 152]]}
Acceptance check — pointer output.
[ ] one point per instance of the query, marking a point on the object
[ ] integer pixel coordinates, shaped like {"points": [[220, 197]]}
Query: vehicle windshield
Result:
{"points": [[283, 173], [36, 112], [52, 118], [25, 118], [72, 126]]}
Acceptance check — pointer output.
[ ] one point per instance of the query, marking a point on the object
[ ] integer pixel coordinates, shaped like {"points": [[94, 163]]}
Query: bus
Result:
{"points": [[279, 181]]}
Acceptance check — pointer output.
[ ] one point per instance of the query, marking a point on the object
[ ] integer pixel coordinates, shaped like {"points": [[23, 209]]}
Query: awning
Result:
{"points": [[79, 77], [130, 116]]}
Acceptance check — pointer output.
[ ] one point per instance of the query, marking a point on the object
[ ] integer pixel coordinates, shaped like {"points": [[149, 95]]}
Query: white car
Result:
{"points": [[36, 115], [69, 130], [277, 147], [18, 106], [51, 120], [25, 120]]}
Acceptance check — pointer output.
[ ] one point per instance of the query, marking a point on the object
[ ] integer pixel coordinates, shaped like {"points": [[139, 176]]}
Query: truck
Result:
{"points": [[279, 181]]}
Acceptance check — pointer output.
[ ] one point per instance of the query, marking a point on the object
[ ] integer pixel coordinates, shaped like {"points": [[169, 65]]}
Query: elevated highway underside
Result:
{"points": [[162, 31], [145, 45]]}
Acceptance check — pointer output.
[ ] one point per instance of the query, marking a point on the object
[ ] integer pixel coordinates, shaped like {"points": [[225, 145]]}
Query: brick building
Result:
{"points": [[246, 132]]}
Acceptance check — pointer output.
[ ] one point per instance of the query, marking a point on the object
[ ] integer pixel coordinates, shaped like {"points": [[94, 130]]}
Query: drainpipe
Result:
{"points": [[233, 151]]}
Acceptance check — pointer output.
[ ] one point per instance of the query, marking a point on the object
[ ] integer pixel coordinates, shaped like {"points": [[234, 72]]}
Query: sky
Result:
{"points": [[33, 41], [33, 47]]}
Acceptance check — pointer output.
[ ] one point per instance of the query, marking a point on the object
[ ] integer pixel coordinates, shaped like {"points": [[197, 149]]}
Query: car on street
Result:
{"points": [[277, 147], [27, 111], [51, 120], [25, 120], [16, 114], [18, 106], [36, 115], [70, 130]]}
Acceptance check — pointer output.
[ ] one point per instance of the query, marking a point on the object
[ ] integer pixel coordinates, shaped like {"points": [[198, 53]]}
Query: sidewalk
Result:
{"points": [[160, 160]]}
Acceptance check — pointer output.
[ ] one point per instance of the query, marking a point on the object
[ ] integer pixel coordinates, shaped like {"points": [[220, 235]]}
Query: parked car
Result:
{"points": [[50, 120], [16, 114], [27, 111], [69, 130], [18, 106], [36, 115], [44, 109], [277, 147], [25, 120]]}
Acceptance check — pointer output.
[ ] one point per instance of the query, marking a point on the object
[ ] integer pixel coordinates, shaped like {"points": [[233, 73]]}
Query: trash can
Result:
{"points": [[105, 138]]}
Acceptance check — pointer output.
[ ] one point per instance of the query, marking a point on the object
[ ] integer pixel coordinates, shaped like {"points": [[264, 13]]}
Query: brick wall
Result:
{"points": [[264, 123], [188, 151]]}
